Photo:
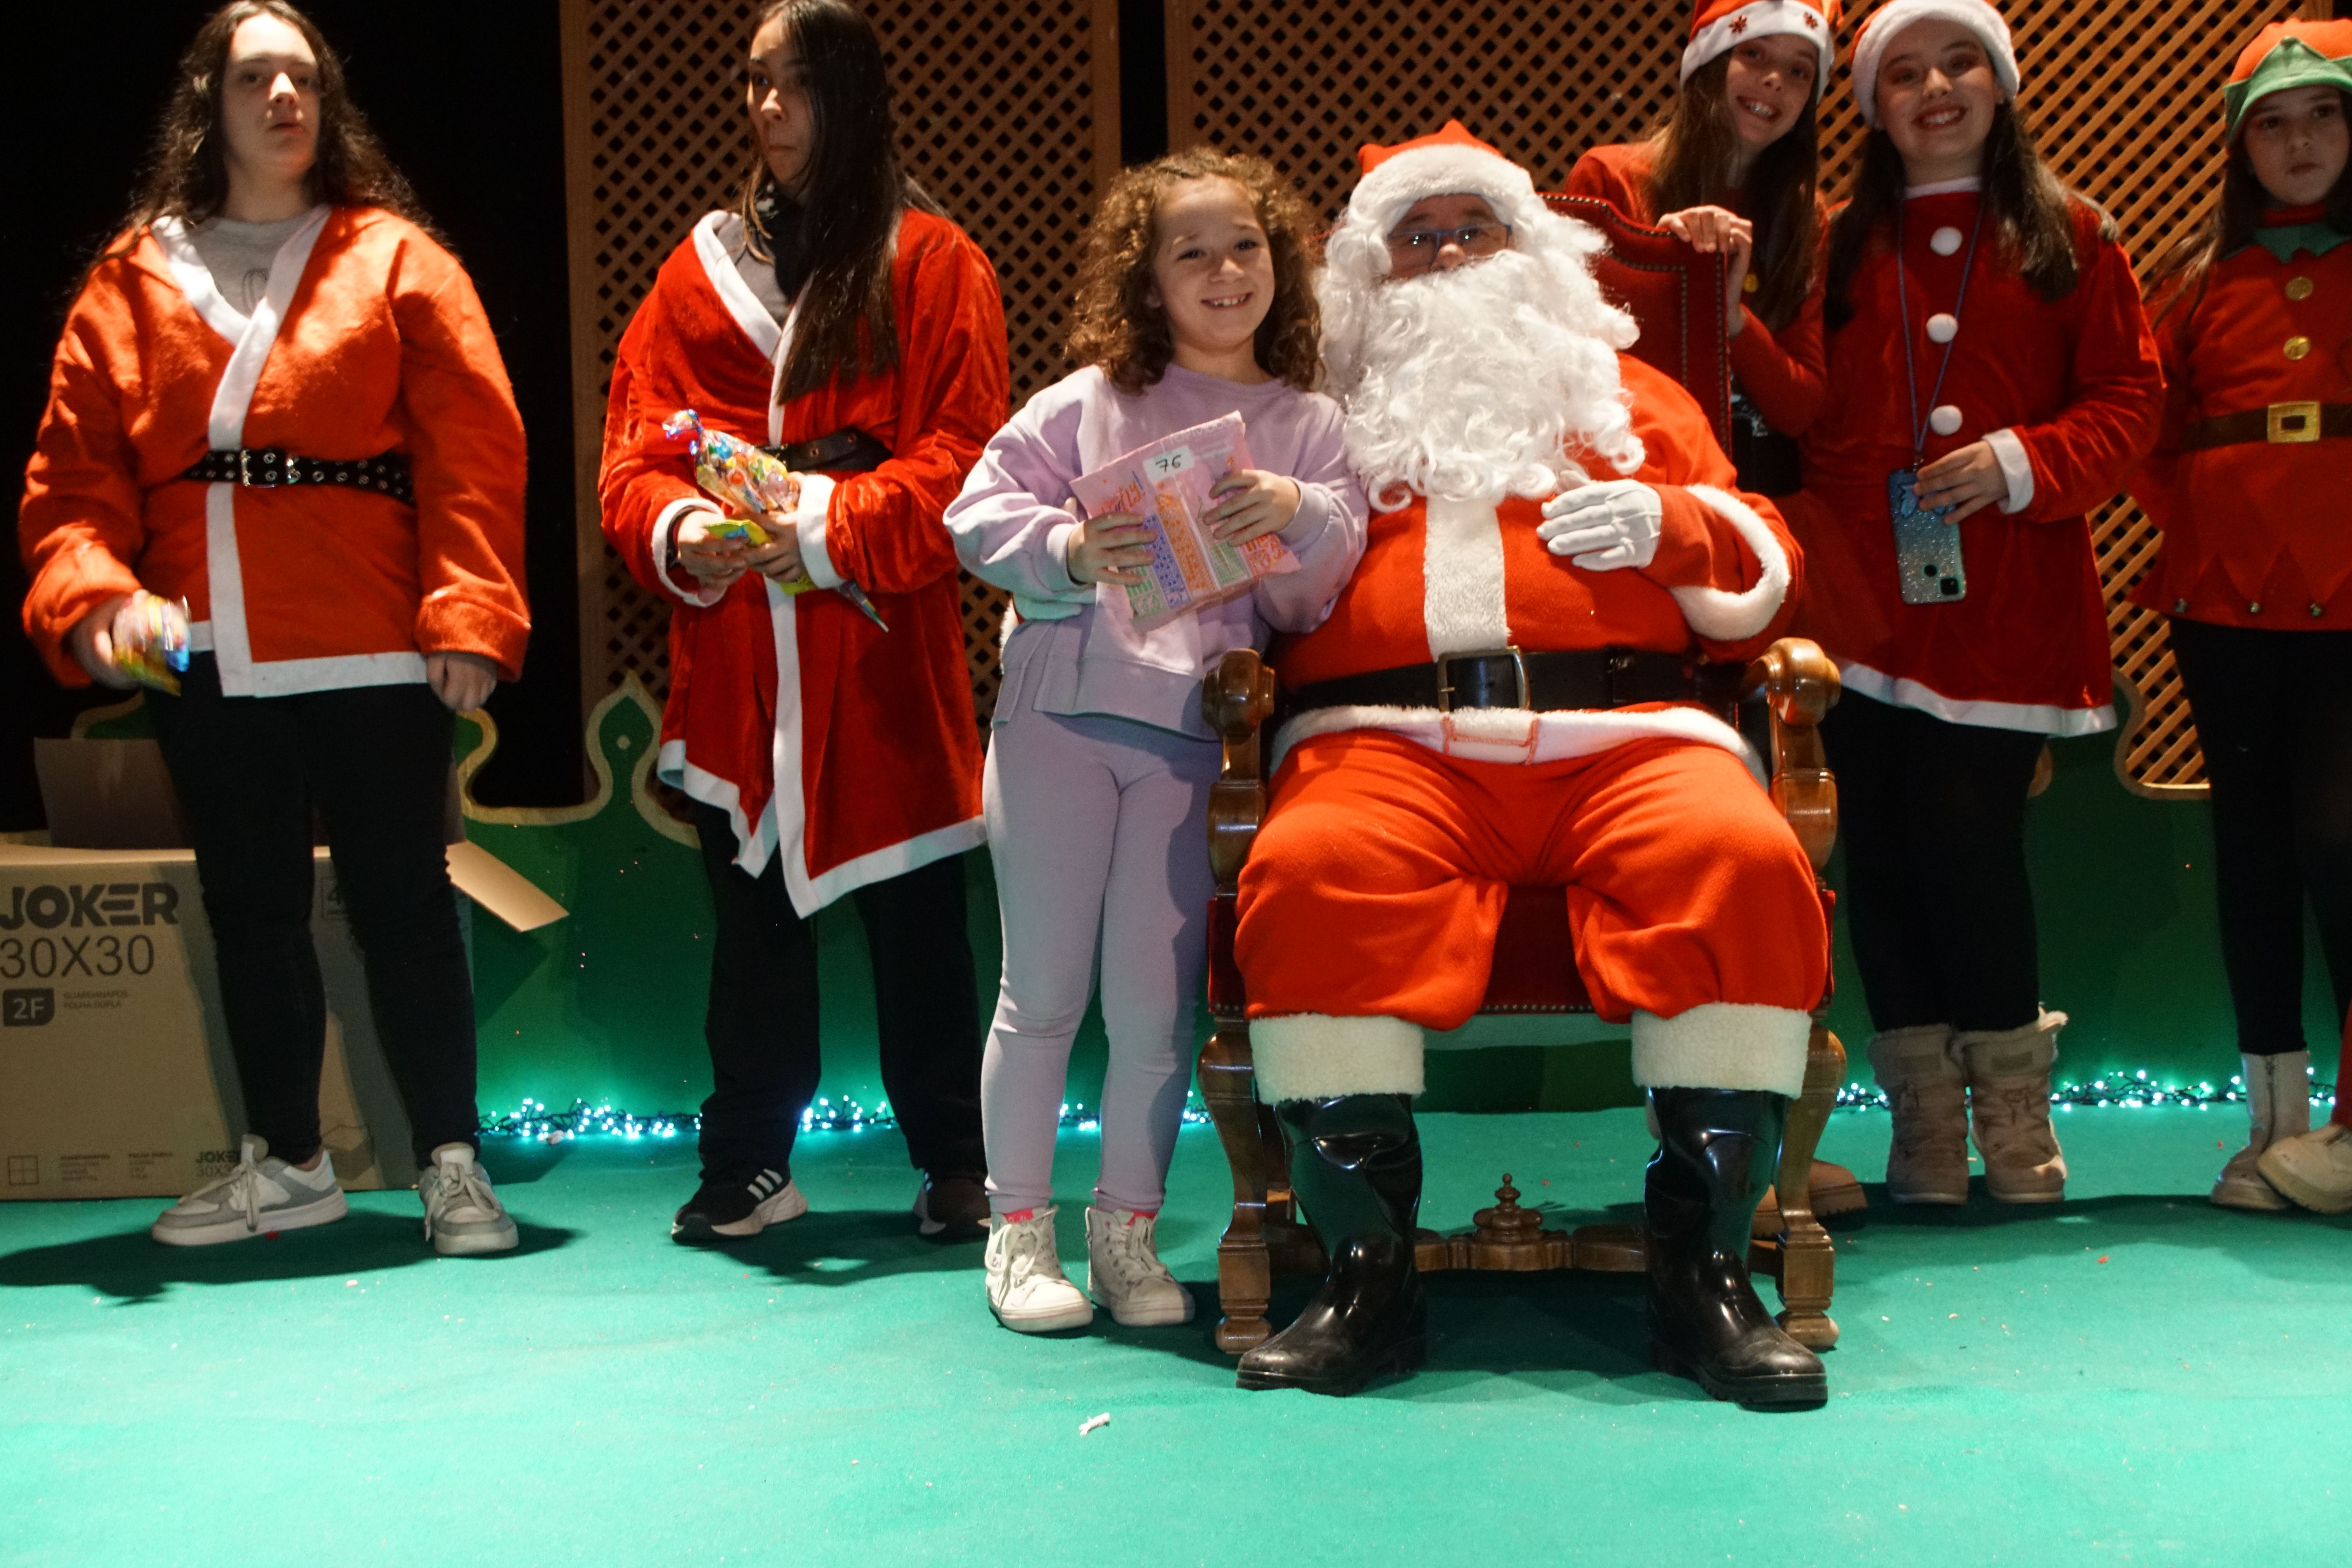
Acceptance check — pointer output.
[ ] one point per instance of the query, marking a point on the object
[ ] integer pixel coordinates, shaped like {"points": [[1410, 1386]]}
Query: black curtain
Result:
{"points": [[469, 101]]}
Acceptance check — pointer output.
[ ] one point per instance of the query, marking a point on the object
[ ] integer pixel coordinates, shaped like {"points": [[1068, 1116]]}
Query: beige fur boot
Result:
{"points": [[2008, 1098], [2278, 1106], [1928, 1161]]}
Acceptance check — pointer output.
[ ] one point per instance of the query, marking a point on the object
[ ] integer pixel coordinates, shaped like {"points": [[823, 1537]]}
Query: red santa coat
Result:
{"points": [[849, 751], [2257, 534], [1781, 373], [1441, 576], [368, 339], [2068, 392]]}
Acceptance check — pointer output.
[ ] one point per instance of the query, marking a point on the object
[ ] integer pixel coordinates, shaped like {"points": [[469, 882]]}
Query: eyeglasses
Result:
{"points": [[1418, 249]]}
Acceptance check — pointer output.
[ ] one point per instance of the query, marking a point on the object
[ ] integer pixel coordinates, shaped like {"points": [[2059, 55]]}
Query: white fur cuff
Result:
{"points": [[1313, 1056], [1728, 617], [1723, 1044]]}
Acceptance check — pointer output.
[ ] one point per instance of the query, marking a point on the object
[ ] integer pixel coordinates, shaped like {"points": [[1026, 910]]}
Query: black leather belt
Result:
{"points": [[842, 452], [271, 467], [1545, 682]]}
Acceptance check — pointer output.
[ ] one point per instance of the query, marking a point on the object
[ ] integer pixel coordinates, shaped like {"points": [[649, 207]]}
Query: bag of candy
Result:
{"points": [[151, 640], [749, 481]]}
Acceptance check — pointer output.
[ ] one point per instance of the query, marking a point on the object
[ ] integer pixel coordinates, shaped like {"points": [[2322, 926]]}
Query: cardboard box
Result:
{"points": [[116, 1079]]}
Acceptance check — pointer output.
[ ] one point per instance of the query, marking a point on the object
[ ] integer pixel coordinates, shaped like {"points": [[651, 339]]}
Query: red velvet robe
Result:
{"points": [[851, 750], [369, 338], [2073, 383]]}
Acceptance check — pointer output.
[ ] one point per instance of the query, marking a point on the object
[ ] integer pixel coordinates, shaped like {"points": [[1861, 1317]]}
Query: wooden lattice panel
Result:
{"points": [[2123, 99], [1008, 114]]}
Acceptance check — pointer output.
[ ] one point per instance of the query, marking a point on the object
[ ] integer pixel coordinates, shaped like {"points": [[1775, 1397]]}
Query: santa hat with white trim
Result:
{"points": [[1448, 163], [1722, 26], [2288, 55], [1890, 19]]}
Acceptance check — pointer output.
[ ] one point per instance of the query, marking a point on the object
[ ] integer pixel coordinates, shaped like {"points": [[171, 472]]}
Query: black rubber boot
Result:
{"points": [[1355, 1164], [1717, 1151]]}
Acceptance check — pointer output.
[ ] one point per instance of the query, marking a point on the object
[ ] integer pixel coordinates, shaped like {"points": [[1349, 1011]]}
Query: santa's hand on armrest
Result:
{"points": [[1604, 525]]}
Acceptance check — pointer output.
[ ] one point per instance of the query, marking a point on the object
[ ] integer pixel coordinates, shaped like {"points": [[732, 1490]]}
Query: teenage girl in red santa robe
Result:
{"points": [[1733, 168], [278, 398], [1502, 696], [1988, 356], [2254, 315], [837, 316]]}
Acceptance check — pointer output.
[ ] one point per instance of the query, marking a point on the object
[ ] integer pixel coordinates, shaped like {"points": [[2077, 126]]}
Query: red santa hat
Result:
{"points": [[2288, 55], [1450, 162], [1889, 20], [1722, 26]]}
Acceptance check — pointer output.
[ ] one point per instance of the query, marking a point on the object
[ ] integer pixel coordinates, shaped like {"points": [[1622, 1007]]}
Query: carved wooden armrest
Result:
{"points": [[1800, 683], [1236, 698]]}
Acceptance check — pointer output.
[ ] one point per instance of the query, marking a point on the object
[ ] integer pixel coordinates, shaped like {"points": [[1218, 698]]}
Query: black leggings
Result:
{"points": [[374, 762], [1931, 816], [762, 1020], [2274, 716]]}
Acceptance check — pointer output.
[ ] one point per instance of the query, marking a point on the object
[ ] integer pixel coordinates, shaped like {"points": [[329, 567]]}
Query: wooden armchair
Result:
{"points": [[1798, 684]]}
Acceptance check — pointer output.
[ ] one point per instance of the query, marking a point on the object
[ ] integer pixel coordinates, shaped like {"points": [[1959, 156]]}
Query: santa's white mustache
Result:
{"points": [[1478, 383]]}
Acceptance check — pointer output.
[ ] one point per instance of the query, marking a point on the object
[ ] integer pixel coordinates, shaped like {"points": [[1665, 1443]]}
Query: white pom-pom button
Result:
{"points": [[1944, 241], [1942, 328], [1944, 421]]}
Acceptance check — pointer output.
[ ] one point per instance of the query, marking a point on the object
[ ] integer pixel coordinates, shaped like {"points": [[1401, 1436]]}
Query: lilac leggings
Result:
{"points": [[1097, 830]]}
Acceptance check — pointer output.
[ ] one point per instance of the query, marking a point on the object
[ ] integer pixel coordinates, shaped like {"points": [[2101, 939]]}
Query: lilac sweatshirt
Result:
{"points": [[1066, 652]]}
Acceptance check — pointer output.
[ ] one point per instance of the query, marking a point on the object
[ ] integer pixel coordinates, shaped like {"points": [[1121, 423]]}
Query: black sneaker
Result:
{"points": [[951, 1208], [721, 1212]]}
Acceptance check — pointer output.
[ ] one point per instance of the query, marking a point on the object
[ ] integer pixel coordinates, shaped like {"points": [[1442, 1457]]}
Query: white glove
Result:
{"points": [[1604, 525]]}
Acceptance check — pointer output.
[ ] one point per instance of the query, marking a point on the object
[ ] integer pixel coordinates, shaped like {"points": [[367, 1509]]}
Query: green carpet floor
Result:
{"points": [[2136, 1377]]}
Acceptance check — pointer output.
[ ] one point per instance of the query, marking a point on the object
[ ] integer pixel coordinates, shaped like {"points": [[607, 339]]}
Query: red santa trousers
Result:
{"points": [[1370, 901]]}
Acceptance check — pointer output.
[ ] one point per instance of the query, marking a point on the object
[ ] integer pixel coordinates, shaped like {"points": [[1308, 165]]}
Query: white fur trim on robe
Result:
{"points": [[1733, 617], [1723, 1044], [1314, 1055]]}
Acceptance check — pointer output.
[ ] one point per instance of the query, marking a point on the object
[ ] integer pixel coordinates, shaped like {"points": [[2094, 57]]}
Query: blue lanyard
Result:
{"points": [[1903, 305]]}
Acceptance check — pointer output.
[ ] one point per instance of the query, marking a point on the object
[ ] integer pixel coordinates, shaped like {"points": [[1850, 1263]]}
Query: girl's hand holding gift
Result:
{"points": [[1254, 504], [1113, 548], [779, 559], [715, 559]]}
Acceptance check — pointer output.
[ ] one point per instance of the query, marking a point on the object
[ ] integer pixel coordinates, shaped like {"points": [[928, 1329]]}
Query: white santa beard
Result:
{"points": [[1471, 384]]}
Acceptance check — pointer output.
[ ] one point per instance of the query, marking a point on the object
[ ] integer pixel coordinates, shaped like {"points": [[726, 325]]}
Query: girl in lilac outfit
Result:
{"points": [[1193, 302]]}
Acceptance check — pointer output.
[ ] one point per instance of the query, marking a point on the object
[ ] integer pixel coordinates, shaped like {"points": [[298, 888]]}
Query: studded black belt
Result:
{"points": [[849, 451], [1545, 682], [270, 468]]}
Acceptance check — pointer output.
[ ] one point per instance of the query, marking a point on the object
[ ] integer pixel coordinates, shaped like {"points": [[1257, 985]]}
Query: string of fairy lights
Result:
{"points": [[536, 1122]]}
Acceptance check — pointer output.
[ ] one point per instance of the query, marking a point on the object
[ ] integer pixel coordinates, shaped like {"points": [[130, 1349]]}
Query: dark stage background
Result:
{"points": [[470, 104]]}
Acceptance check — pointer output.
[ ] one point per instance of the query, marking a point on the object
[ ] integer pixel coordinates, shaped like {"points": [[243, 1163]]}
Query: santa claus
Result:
{"points": [[1503, 695]]}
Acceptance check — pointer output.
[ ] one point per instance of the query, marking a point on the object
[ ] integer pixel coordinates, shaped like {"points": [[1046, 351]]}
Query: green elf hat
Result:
{"points": [[2286, 55]]}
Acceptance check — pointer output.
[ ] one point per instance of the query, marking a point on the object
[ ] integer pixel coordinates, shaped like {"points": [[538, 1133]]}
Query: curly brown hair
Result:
{"points": [[187, 175], [1113, 323]]}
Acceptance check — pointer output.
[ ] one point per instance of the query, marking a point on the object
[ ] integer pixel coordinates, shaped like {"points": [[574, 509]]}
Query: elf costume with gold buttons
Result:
{"points": [[1500, 696], [2250, 483], [2031, 365]]}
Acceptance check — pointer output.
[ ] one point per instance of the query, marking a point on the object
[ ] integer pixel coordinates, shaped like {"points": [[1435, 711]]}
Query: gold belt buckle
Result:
{"points": [[2291, 421], [1445, 673]]}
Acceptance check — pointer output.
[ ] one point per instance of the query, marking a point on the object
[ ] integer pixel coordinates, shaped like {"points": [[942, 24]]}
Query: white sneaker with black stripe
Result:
{"points": [[724, 1211]]}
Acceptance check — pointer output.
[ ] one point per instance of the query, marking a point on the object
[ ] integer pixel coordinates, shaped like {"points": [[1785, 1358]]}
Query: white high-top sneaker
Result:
{"points": [[2278, 1106], [1026, 1288], [262, 1195], [1124, 1272]]}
